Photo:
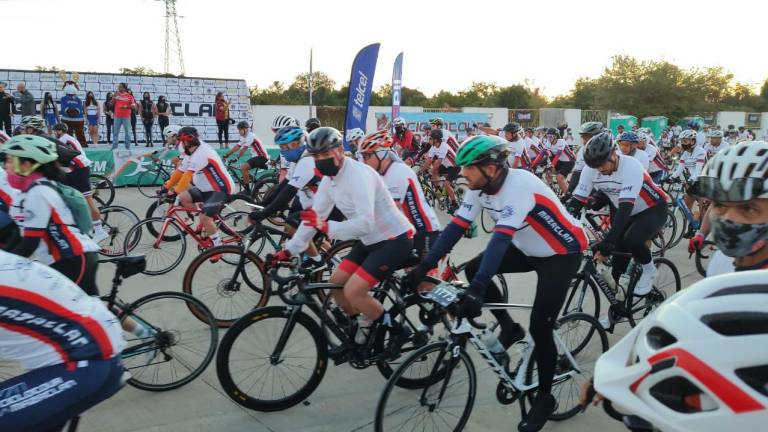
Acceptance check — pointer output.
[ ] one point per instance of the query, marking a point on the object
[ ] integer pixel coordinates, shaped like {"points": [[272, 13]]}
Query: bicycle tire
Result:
{"points": [[230, 384], [656, 297], [169, 338], [682, 226], [148, 181], [486, 222], [116, 229], [261, 187], [222, 291], [157, 211], [102, 187], [578, 292], [140, 230], [384, 414], [702, 258]]}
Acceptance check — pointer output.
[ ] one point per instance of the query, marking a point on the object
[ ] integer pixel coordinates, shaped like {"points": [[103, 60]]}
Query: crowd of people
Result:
{"points": [[534, 183]]}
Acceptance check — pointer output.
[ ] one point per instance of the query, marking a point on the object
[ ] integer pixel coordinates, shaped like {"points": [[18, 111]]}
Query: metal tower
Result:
{"points": [[172, 38]]}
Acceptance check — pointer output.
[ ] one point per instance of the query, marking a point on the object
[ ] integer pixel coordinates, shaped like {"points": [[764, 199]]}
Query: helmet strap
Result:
{"points": [[493, 184]]}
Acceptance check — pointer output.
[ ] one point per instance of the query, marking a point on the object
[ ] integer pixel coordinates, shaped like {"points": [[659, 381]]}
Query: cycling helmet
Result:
{"points": [[715, 133], [289, 134], [323, 139], [693, 124], [399, 122], [553, 131], [480, 149], [62, 127], [642, 136], [355, 134], [687, 134], [698, 363], [512, 128], [375, 141], [187, 134], [38, 148], [437, 121], [736, 173], [282, 121], [33, 121], [599, 149], [629, 136], [243, 125], [312, 124], [591, 128], [171, 130], [436, 134]]}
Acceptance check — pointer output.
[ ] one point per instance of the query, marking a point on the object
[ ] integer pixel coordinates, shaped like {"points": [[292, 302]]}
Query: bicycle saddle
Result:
{"points": [[128, 266]]}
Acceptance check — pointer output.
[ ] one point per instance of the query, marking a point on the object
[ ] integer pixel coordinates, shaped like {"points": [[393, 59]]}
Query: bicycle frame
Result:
{"points": [[172, 215]]}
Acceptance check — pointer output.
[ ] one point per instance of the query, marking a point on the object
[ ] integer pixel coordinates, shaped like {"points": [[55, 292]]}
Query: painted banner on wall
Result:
{"points": [[455, 122]]}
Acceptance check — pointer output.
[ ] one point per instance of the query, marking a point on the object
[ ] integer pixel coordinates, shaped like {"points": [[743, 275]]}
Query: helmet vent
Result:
{"points": [[681, 395], [738, 323], [755, 377], [659, 338], [743, 289]]}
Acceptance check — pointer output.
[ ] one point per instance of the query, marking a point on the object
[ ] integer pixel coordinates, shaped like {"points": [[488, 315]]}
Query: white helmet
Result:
{"points": [[282, 121], [354, 134], [715, 133], [736, 173], [171, 130], [698, 363], [398, 121], [687, 134]]}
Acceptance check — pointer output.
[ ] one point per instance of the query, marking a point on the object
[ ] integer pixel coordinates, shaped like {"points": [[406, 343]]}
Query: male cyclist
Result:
{"points": [[441, 163], [533, 233], [656, 167], [563, 158], [586, 132], [259, 155], [715, 143], [282, 121], [354, 136], [372, 217], [312, 124], [692, 160], [518, 151], [448, 138], [402, 141], [628, 146]]}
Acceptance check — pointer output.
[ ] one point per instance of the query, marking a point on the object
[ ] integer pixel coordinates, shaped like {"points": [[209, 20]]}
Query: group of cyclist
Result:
{"points": [[368, 191]]}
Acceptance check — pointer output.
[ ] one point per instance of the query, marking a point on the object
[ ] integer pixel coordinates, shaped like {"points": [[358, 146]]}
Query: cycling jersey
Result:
{"points": [[529, 211], [81, 160], [580, 164], [626, 184], [560, 151], [360, 194], [405, 189], [405, 143], [701, 139], [451, 140], [304, 177], [251, 141], [711, 150], [656, 162], [692, 160], [720, 263], [41, 212], [518, 150], [641, 157], [444, 153], [45, 319], [210, 173], [532, 146]]}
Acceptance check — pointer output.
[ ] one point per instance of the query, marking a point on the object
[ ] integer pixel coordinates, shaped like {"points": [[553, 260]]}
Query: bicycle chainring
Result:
{"points": [[506, 395]]}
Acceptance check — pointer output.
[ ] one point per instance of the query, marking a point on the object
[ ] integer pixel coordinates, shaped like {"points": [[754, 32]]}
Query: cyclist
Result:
{"points": [[170, 133], [533, 233], [736, 181], [640, 207], [518, 151], [656, 167], [700, 136], [403, 184], [203, 178], [563, 158], [628, 146], [9, 231], [692, 160], [448, 138], [312, 124], [586, 131], [353, 139], [715, 143], [78, 177], [441, 163], [259, 155], [402, 141], [49, 233], [68, 342], [282, 121], [372, 217]]}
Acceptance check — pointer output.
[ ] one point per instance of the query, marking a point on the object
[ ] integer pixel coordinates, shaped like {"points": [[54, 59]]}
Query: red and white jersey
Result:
{"points": [[560, 151], [532, 145], [45, 319], [654, 155], [530, 211], [641, 157], [81, 160], [403, 185], [41, 212], [444, 153], [304, 176], [451, 140], [252, 142], [712, 150], [628, 183], [518, 150], [211, 174], [693, 161]]}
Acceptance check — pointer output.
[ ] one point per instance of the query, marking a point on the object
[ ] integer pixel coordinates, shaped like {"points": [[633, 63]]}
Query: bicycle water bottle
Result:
{"points": [[608, 278], [492, 343], [361, 335], [624, 279]]}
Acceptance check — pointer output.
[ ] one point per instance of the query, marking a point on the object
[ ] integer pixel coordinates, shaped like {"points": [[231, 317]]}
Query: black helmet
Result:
{"points": [[512, 127], [553, 131], [599, 148], [60, 127], [323, 139], [312, 124], [436, 134], [243, 125]]}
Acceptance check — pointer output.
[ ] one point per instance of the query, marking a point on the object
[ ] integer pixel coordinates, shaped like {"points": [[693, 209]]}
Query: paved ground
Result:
{"points": [[345, 400]]}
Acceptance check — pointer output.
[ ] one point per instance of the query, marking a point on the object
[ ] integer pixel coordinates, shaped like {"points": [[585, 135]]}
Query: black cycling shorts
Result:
{"points": [[450, 173], [257, 162], [212, 201], [564, 168], [378, 261], [78, 179], [423, 241]]}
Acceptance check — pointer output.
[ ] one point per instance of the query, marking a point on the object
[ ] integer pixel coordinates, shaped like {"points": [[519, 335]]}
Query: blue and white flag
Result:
{"points": [[397, 85], [360, 87]]}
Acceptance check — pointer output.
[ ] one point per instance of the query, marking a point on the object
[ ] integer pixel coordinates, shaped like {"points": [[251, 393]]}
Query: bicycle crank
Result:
{"points": [[506, 395]]}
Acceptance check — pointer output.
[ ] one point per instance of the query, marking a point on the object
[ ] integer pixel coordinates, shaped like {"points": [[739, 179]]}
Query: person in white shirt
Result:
{"points": [[715, 143], [448, 138], [656, 166], [692, 159], [743, 134], [441, 163], [247, 141], [563, 158], [518, 151], [628, 146]]}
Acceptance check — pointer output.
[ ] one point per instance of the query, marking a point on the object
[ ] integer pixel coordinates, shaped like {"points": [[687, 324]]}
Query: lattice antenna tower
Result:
{"points": [[172, 38]]}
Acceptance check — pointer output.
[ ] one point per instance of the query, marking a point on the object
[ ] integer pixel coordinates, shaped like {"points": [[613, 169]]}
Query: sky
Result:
{"points": [[447, 44]]}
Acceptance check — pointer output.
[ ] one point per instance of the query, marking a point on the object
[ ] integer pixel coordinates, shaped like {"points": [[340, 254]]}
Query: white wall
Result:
{"points": [[573, 118], [736, 118], [264, 114], [498, 116]]}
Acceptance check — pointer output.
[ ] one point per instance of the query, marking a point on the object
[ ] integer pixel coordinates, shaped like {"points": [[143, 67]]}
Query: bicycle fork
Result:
{"points": [[274, 358]]}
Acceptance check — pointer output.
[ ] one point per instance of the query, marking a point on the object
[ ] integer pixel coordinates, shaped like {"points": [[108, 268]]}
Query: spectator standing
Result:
{"points": [[72, 112], [26, 99], [50, 111], [93, 112], [124, 104], [109, 112], [221, 110], [7, 109], [163, 112], [148, 111], [134, 111]]}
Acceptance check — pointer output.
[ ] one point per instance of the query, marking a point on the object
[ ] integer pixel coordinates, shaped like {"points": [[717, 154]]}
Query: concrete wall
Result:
{"points": [[724, 118], [498, 116], [573, 118]]}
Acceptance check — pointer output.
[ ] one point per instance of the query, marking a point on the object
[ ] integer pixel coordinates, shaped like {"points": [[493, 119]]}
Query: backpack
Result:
{"points": [[77, 204]]}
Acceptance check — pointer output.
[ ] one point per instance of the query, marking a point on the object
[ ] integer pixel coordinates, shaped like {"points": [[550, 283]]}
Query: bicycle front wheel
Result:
{"points": [[162, 255], [666, 284], [179, 346], [444, 402], [149, 182], [117, 221], [102, 188]]}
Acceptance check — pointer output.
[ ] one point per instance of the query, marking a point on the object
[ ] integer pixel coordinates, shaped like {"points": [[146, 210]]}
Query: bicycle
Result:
{"points": [[293, 347], [703, 254], [103, 189], [148, 181], [599, 223], [450, 384], [116, 221], [436, 196], [624, 305], [687, 225], [451, 271]]}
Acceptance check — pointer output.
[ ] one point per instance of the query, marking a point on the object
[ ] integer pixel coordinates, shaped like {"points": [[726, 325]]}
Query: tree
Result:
{"points": [[47, 69], [140, 70]]}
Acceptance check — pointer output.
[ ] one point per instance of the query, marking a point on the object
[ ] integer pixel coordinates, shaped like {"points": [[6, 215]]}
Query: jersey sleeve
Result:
{"points": [[322, 205], [586, 180], [37, 211], [362, 222], [470, 207], [303, 173], [631, 182], [701, 157]]}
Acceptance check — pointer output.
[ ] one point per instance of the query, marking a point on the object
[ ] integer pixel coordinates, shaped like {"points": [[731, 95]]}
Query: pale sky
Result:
{"points": [[448, 44]]}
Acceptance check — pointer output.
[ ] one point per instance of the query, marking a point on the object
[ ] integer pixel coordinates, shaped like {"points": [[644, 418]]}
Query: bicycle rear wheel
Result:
{"points": [[180, 346], [666, 284], [103, 188], [117, 221], [149, 182], [703, 255]]}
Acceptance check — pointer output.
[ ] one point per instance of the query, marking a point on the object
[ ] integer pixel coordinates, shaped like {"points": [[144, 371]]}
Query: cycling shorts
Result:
{"points": [[564, 168], [78, 179], [374, 263], [450, 173], [212, 201], [46, 398], [423, 241]]}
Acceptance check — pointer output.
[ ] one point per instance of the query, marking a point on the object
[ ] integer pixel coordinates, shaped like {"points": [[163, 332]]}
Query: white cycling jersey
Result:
{"points": [[403, 185], [641, 157], [81, 160], [303, 176], [656, 163], [530, 211], [693, 160], [517, 150], [444, 153], [362, 197], [628, 183], [580, 164], [560, 150], [45, 319], [451, 140], [712, 150], [210, 173], [252, 142]]}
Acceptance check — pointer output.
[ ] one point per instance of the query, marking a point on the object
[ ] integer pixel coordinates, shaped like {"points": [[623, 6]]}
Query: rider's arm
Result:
{"points": [[469, 210], [173, 180], [322, 204], [281, 198], [701, 157], [573, 181], [184, 182], [679, 168]]}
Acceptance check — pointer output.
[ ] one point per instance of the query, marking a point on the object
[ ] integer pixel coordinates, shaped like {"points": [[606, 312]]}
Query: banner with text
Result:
{"points": [[455, 122], [360, 87]]}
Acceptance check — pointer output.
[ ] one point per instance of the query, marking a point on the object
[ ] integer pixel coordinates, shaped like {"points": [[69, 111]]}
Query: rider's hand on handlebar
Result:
{"points": [[256, 216], [604, 249], [272, 259], [414, 277], [310, 218], [471, 304], [170, 197], [695, 243]]}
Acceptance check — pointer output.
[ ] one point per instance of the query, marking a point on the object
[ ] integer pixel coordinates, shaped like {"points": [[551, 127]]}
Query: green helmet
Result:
{"points": [[591, 128], [33, 121], [38, 148], [482, 148]]}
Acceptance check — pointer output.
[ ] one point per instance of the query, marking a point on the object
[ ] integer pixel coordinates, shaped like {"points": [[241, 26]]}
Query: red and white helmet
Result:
{"points": [[378, 140], [699, 362]]}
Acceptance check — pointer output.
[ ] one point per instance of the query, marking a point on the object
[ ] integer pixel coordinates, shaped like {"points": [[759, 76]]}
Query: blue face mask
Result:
{"points": [[292, 155]]}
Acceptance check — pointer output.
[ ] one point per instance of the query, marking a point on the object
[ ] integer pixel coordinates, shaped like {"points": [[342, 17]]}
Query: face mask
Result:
{"points": [[737, 239], [293, 155], [327, 167], [20, 182], [353, 149]]}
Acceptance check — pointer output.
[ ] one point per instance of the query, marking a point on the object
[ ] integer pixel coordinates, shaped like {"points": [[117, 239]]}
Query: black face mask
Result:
{"points": [[327, 167]]}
